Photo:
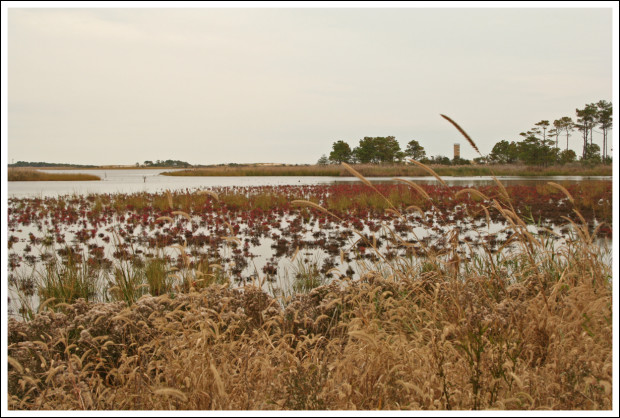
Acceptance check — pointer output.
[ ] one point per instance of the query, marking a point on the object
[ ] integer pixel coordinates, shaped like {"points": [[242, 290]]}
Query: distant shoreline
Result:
{"points": [[103, 167], [372, 170], [368, 170]]}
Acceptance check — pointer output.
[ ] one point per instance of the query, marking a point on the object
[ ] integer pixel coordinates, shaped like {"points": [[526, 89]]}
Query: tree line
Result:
{"points": [[538, 146], [165, 163], [374, 150], [541, 144]]}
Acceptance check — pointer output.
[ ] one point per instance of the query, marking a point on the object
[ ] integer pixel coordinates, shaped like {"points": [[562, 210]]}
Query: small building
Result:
{"points": [[457, 151]]}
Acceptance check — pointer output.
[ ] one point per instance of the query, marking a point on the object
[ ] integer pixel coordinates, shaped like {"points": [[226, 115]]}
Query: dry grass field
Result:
{"points": [[29, 174]]}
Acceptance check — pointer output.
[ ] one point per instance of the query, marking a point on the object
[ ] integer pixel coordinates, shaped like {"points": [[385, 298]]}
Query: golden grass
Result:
{"points": [[421, 342], [563, 190], [400, 170], [429, 171], [462, 131], [28, 174]]}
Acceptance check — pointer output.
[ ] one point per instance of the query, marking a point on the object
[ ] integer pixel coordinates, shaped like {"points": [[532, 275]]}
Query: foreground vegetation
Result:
{"points": [[526, 326], [401, 170], [26, 174]]}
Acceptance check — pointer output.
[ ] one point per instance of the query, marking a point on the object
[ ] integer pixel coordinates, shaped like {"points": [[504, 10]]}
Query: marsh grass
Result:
{"points": [[524, 327], [128, 281], [157, 273], [307, 275], [28, 174], [401, 170], [66, 281], [208, 272]]}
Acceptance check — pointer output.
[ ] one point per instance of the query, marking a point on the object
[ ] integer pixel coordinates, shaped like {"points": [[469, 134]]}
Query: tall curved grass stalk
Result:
{"points": [[462, 131], [368, 183], [563, 190], [428, 170], [417, 187]]}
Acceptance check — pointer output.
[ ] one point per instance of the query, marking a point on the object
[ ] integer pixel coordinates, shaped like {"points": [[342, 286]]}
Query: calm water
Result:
{"points": [[132, 181]]}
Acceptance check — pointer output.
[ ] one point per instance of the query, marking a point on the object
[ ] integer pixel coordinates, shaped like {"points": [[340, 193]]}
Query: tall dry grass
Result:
{"points": [[29, 174]]}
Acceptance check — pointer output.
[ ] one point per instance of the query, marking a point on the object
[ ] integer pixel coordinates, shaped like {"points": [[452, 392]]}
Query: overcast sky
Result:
{"points": [[212, 85]]}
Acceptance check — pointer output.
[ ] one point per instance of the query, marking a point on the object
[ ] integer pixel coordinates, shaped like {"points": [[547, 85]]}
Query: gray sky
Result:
{"points": [[208, 86]]}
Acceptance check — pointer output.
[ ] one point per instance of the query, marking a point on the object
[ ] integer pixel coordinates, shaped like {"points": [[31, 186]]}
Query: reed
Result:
{"points": [[157, 273], [307, 275], [462, 131], [65, 280], [128, 282], [27, 174]]}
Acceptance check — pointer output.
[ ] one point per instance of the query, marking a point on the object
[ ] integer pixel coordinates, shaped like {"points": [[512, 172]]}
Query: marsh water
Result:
{"points": [[151, 180], [272, 252]]}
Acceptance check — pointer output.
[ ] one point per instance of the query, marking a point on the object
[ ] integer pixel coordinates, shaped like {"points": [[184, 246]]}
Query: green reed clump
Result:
{"points": [[157, 275], [67, 280], [128, 282], [307, 275]]}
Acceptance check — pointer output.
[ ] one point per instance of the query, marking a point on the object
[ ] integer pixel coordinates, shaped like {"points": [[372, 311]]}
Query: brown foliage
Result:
{"points": [[424, 342]]}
